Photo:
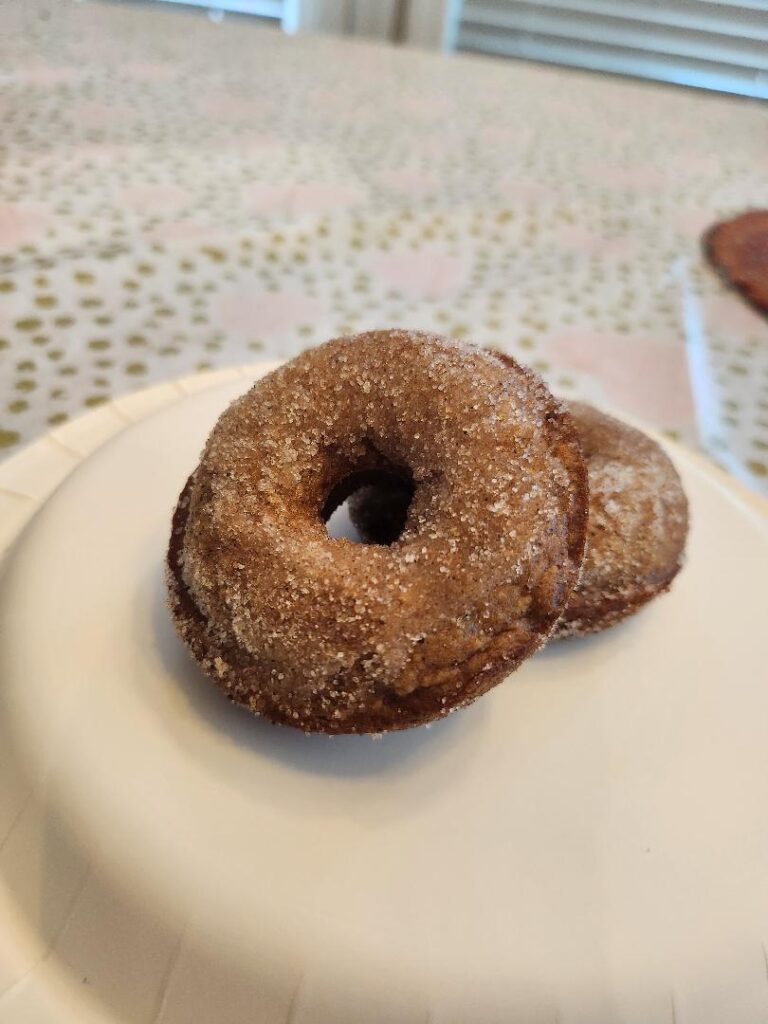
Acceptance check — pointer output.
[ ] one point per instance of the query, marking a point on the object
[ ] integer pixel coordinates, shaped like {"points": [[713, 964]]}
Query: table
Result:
{"points": [[178, 195]]}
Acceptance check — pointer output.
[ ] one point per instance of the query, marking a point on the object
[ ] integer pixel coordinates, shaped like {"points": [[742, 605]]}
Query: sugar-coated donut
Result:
{"points": [[332, 636], [637, 526]]}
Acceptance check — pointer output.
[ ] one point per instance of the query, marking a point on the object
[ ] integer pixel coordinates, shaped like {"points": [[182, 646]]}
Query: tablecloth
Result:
{"points": [[178, 195]]}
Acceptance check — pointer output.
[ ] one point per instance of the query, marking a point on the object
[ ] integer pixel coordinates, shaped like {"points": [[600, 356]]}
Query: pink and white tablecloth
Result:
{"points": [[179, 195]]}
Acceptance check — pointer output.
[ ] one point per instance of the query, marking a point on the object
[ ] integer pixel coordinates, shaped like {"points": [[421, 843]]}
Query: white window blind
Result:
{"points": [[715, 45]]}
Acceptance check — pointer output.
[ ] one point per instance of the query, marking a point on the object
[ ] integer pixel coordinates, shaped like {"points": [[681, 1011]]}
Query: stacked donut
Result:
{"points": [[495, 518]]}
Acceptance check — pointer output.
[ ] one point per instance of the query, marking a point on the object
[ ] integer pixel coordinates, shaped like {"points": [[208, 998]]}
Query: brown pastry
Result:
{"points": [[738, 250], [636, 531], [637, 528], [332, 636]]}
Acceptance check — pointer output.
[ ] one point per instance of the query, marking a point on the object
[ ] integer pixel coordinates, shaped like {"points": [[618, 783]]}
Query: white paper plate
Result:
{"points": [[588, 843]]}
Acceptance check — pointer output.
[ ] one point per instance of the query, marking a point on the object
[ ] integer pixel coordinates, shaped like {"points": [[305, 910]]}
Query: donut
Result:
{"points": [[332, 636], [637, 522], [738, 250]]}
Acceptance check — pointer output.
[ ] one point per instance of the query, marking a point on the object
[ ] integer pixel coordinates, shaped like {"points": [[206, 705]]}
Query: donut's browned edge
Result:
{"points": [[581, 618]]}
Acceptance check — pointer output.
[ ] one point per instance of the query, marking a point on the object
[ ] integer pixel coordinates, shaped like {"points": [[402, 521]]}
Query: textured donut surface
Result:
{"points": [[332, 636], [637, 524]]}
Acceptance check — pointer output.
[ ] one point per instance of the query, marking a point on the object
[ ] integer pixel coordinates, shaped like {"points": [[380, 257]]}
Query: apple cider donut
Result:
{"points": [[332, 636], [637, 524]]}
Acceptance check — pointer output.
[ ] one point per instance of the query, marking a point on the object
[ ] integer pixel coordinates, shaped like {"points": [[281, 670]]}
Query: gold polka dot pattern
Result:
{"points": [[150, 229]]}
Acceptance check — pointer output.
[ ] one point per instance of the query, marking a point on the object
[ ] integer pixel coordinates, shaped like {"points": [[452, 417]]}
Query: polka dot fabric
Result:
{"points": [[178, 195]]}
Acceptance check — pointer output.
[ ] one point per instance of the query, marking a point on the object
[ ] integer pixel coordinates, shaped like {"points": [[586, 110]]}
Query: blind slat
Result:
{"points": [[744, 5]]}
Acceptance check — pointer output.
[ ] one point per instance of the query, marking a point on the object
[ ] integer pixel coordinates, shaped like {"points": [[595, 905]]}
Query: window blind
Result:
{"points": [[719, 45]]}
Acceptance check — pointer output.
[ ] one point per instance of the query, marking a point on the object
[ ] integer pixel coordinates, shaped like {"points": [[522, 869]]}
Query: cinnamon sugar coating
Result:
{"points": [[637, 525], [332, 636]]}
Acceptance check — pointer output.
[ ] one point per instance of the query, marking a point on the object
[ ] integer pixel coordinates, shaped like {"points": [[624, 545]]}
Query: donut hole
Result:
{"points": [[369, 507]]}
